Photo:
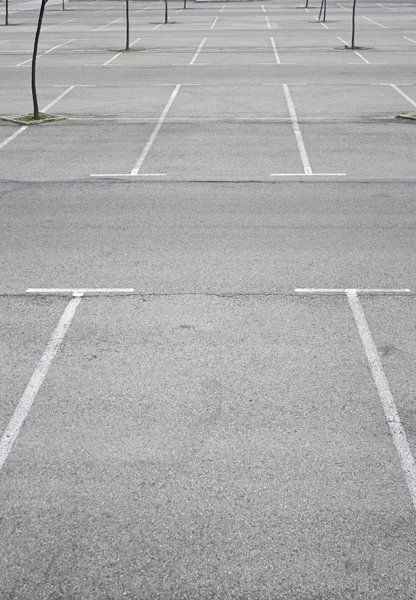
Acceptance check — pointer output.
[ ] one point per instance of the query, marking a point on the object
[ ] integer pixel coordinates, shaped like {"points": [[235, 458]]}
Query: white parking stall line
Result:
{"points": [[276, 54], [32, 389], [157, 27], [297, 131], [387, 7], [78, 291], [198, 51], [410, 39], [405, 96], [393, 420], [45, 53], [355, 52], [58, 24], [374, 22], [222, 10], [108, 25], [136, 169], [320, 23], [44, 109], [4, 41], [344, 7], [119, 53], [214, 23], [300, 143], [268, 22], [343, 291], [262, 8]]}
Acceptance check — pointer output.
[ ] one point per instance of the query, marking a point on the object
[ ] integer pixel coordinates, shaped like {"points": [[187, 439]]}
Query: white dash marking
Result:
{"points": [[214, 23], [362, 57], [374, 22], [198, 51], [386, 397], [345, 8], [64, 93], [262, 8], [157, 27], [399, 91], [108, 24], [320, 23], [268, 22], [135, 170], [276, 54], [79, 291], [44, 53], [29, 395], [410, 39], [13, 136], [297, 131]]}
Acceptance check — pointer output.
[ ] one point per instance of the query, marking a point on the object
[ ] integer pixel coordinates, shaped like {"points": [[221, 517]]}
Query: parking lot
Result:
{"points": [[207, 300]]}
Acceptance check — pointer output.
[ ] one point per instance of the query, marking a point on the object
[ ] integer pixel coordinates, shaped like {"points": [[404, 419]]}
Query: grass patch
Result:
{"points": [[411, 116], [29, 120]]}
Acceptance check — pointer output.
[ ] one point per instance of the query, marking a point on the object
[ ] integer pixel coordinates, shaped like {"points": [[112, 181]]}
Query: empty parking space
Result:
{"points": [[263, 467]]}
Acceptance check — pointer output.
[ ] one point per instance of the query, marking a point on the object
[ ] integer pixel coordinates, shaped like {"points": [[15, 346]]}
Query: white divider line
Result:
{"points": [[371, 21], [4, 41], [214, 23], [387, 7], [157, 27], [222, 9], [345, 8], [405, 37], [64, 93], [108, 25], [276, 54], [44, 53], [355, 52], [118, 54], [386, 397], [78, 291], [318, 291], [198, 51], [297, 131], [57, 24], [135, 170], [268, 22], [24, 127], [29, 395], [399, 91], [320, 23], [262, 8]]}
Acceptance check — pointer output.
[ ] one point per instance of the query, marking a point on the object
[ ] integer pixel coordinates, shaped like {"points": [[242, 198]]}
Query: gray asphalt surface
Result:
{"points": [[213, 433]]}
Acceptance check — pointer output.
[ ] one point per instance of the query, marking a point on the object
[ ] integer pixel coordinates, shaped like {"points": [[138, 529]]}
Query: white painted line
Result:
{"points": [[262, 8], [44, 53], [111, 59], [320, 23], [386, 397], [378, 24], [362, 57], [79, 291], [399, 91], [268, 22], [345, 8], [180, 10], [108, 25], [135, 170], [297, 131], [157, 27], [222, 9], [358, 290], [276, 54], [198, 51], [214, 23], [387, 7], [343, 41], [29, 395], [307, 174], [24, 127], [128, 175], [57, 24], [64, 93], [4, 41], [410, 39], [13, 136], [59, 46]]}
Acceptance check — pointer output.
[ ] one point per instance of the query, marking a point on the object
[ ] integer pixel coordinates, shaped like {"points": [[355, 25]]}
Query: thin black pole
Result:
{"points": [[353, 25], [35, 54], [6, 22], [166, 11], [127, 26]]}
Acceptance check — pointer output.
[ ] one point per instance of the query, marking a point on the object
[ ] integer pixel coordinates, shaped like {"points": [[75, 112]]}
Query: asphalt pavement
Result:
{"points": [[207, 300]]}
